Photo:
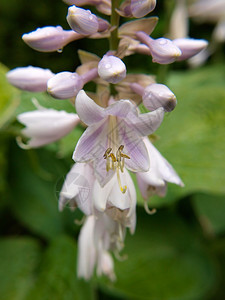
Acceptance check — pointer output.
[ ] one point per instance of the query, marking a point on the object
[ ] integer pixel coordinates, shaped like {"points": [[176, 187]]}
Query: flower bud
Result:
{"points": [[65, 85], [30, 78], [49, 38], [111, 69], [82, 20], [163, 50], [189, 47], [45, 126], [141, 8], [158, 95]]}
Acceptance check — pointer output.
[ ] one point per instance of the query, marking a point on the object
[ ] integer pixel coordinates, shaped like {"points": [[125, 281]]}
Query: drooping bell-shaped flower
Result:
{"points": [[159, 95], [44, 126], [77, 190], [98, 236], [189, 47], [50, 38], [163, 51], [112, 69], [155, 180], [113, 139], [30, 78], [82, 20], [65, 85]]}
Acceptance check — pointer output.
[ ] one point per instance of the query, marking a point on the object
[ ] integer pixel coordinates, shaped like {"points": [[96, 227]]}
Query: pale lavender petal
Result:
{"points": [[146, 124], [88, 111], [89, 145], [141, 8], [120, 108], [103, 176], [135, 148]]}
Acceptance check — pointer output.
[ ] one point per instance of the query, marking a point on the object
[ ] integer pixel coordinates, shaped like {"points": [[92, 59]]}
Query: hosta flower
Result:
{"points": [[77, 190], [113, 139], [44, 126], [155, 180], [82, 20], [30, 78], [98, 236], [81, 189], [111, 69], [163, 50], [50, 38]]}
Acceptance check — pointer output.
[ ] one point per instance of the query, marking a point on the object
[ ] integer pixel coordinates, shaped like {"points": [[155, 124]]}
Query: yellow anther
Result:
{"points": [[117, 162], [106, 154]]}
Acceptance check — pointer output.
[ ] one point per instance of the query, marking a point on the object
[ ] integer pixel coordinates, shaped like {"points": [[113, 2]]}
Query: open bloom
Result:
{"points": [[81, 189], [155, 180], [113, 138], [44, 126]]}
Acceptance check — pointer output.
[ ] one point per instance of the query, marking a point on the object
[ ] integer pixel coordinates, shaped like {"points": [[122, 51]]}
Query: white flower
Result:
{"points": [[44, 126], [155, 180], [113, 139]]}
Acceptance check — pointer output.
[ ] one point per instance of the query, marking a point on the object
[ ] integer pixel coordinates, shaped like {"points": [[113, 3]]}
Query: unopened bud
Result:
{"points": [[111, 69], [82, 20], [30, 78], [45, 126], [189, 47], [65, 85], [163, 50], [50, 38], [159, 95], [141, 8]]}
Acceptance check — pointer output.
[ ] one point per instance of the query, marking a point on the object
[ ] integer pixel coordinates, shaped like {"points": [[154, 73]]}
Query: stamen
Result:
{"points": [[21, 143], [117, 162], [148, 210], [123, 189]]}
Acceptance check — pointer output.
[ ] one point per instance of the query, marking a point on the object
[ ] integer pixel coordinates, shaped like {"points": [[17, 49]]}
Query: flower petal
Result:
{"points": [[135, 148], [101, 194], [120, 108], [88, 111], [146, 124], [87, 252], [91, 143]]}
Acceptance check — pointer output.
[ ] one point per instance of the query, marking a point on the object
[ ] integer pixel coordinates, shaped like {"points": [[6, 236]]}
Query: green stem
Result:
{"points": [[114, 20]]}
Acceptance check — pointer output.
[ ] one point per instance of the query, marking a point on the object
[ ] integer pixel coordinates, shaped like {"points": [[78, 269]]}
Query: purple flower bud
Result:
{"points": [[189, 47], [141, 8], [111, 69], [163, 51], [159, 95], [82, 20], [30, 78], [65, 85], [50, 38]]}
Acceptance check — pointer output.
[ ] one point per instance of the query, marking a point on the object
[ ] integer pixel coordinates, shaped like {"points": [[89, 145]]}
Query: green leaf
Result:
{"points": [[192, 136], [19, 258], [210, 212], [44, 100], [9, 98], [57, 278], [34, 190], [165, 261]]}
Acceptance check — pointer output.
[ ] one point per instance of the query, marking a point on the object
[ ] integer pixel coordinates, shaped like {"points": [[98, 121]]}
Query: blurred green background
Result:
{"points": [[176, 254]]}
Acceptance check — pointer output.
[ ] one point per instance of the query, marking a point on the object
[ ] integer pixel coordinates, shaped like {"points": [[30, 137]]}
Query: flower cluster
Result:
{"points": [[116, 140]]}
